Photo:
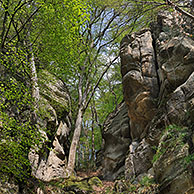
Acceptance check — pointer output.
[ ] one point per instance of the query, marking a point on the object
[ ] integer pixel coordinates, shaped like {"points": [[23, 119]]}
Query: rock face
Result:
{"points": [[140, 82], [49, 162], [171, 168], [139, 159], [158, 82], [117, 140], [141, 89]]}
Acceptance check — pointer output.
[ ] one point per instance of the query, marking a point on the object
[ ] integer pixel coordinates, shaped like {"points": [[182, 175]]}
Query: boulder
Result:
{"points": [[138, 161]]}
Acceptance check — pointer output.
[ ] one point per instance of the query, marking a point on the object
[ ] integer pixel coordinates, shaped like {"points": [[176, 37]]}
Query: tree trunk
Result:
{"points": [[93, 147], [78, 156], [34, 79], [35, 88], [83, 105], [87, 161], [75, 141]]}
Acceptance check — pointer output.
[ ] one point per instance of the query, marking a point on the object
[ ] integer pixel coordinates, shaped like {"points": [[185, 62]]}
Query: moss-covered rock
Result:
{"points": [[77, 185], [50, 160], [171, 167], [54, 91], [126, 187], [95, 181]]}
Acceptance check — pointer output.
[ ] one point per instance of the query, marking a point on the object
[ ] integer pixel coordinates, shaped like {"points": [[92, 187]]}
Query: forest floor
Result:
{"points": [[106, 185], [144, 186]]}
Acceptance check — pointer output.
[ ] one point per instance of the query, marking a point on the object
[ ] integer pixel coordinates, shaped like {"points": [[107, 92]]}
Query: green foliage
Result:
{"points": [[159, 153], [17, 133], [52, 30], [95, 181], [110, 93], [147, 181], [189, 159], [173, 137], [60, 23]]}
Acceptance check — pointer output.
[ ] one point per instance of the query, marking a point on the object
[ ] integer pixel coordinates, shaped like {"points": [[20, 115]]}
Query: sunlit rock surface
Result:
{"points": [[140, 83], [157, 69]]}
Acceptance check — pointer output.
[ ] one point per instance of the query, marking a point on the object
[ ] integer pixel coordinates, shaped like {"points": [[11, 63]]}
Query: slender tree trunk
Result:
{"points": [[34, 79], [78, 156], [75, 141], [83, 105], [36, 96], [34, 85], [35, 88], [83, 156], [93, 148], [87, 155]]}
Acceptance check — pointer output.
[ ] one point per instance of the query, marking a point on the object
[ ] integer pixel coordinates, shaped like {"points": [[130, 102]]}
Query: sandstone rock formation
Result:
{"points": [[49, 161], [157, 69], [141, 89], [140, 83], [171, 169], [117, 140]]}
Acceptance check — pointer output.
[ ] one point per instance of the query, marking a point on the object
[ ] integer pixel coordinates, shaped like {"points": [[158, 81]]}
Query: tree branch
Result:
{"points": [[12, 18], [4, 23], [98, 82], [179, 9], [22, 27]]}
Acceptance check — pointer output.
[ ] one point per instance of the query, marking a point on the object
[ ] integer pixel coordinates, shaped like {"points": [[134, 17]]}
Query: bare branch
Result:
{"points": [[4, 23], [98, 82], [179, 9]]}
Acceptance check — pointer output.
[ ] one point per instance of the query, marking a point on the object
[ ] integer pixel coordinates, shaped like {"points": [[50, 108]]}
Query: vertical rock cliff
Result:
{"points": [[141, 89], [158, 81]]}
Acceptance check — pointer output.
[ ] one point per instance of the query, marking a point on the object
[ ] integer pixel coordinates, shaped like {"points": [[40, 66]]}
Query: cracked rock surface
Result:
{"points": [[157, 67], [140, 83]]}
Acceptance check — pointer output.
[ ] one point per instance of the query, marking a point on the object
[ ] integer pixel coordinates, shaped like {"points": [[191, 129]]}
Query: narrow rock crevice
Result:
{"points": [[140, 57], [156, 62]]}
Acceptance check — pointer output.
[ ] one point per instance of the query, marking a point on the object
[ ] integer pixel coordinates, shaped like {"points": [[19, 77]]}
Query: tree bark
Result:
{"points": [[34, 84], [75, 141], [34, 81], [93, 138], [179, 9]]}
